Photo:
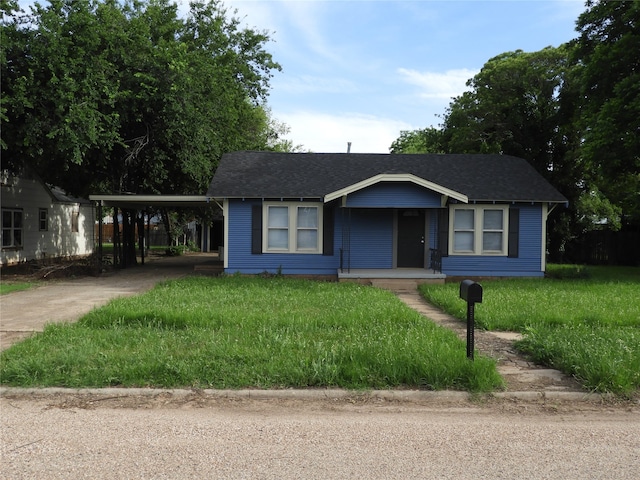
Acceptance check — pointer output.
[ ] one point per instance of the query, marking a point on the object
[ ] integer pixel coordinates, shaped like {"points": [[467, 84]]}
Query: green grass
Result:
{"points": [[14, 287], [583, 321], [235, 332]]}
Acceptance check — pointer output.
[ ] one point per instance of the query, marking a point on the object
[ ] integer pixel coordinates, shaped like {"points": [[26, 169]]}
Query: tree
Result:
{"points": [[426, 140], [125, 96], [606, 53]]}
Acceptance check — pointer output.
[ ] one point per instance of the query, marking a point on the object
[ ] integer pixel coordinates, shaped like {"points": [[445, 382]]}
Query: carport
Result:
{"points": [[140, 204]]}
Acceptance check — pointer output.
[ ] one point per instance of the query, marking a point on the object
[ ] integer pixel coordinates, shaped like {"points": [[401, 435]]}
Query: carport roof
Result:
{"points": [[140, 201]]}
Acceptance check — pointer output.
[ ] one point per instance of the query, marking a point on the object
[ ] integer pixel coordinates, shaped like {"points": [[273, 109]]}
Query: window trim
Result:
{"points": [[75, 221], [478, 230], [292, 228], [12, 229], [43, 221]]}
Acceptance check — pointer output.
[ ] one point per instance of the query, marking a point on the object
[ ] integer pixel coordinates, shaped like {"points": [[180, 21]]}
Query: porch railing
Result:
{"points": [[435, 260]]}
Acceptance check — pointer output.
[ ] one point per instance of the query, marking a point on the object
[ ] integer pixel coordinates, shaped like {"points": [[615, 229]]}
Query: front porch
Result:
{"points": [[391, 278]]}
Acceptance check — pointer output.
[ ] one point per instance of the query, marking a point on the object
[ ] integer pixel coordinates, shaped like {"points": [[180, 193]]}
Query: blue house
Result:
{"points": [[359, 216]]}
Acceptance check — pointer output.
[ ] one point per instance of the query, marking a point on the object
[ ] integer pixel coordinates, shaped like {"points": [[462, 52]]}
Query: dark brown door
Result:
{"points": [[410, 238]]}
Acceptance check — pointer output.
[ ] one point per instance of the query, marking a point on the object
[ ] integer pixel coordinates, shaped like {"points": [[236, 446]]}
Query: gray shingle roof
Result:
{"points": [[495, 177]]}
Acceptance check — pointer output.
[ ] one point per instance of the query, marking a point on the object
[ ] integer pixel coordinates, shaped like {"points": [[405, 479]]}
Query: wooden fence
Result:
{"points": [[605, 247], [155, 235]]}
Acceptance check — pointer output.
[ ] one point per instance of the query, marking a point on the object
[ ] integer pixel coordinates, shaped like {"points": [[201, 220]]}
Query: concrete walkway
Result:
{"points": [[520, 373]]}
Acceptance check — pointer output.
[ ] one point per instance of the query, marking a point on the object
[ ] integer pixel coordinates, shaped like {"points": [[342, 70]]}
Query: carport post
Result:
{"points": [[141, 238], [100, 225]]}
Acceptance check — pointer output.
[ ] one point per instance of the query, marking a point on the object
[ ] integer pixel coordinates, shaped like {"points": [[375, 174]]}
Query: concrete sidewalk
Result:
{"points": [[25, 312]]}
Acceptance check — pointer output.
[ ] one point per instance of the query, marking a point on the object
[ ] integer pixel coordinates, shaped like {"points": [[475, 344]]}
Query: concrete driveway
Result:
{"points": [[25, 312]]}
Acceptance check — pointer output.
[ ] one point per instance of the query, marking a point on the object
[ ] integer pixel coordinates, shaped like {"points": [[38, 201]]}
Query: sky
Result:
{"points": [[361, 71]]}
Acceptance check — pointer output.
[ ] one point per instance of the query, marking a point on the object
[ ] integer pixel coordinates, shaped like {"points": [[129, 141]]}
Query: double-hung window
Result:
{"points": [[479, 230], [11, 228], [292, 227], [43, 219]]}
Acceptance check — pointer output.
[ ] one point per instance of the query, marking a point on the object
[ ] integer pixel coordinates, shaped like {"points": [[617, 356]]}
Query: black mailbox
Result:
{"points": [[471, 291]]}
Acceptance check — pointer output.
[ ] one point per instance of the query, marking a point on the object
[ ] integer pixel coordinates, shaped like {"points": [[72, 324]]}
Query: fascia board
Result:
{"points": [[150, 200], [396, 177]]}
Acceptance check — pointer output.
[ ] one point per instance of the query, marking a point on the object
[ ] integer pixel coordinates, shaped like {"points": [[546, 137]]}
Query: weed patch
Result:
{"points": [[238, 332], [583, 321]]}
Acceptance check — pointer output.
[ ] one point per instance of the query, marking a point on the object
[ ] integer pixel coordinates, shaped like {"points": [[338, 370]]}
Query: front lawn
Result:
{"points": [[8, 287], [236, 332], [583, 321]]}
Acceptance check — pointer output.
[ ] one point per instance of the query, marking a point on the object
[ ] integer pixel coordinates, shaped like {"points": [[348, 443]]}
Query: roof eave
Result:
{"points": [[395, 177], [530, 201]]}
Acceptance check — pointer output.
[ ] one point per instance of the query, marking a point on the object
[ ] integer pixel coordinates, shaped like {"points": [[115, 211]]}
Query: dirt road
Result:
{"points": [[70, 436]]}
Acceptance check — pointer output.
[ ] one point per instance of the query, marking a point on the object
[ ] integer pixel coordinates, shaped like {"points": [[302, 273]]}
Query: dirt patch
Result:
{"points": [[349, 402], [51, 270]]}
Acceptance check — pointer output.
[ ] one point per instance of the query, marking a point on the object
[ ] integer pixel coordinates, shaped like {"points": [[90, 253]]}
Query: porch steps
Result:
{"points": [[402, 284], [209, 268]]}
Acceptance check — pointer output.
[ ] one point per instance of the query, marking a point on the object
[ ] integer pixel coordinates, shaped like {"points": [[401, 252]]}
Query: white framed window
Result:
{"points": [[12, 228], [292, 227], [478, 230]]}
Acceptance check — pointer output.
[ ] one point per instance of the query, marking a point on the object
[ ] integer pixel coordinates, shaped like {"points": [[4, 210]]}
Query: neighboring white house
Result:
{"points": [[41, 222]]}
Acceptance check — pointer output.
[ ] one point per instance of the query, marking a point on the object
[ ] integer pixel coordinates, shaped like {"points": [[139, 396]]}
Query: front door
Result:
{"points": [[410, 238]]}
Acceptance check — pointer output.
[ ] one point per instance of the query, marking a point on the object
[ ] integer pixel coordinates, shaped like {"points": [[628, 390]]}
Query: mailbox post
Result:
{"points": [[471, 292]]}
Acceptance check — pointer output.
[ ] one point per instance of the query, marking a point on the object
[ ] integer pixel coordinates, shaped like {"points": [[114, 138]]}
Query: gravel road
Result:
{"points": [[160, 437]]}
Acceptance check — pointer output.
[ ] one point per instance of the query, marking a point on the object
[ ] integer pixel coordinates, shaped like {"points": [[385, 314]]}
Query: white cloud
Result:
{"points": [[437, 84], [304, 84], [324, 133]]}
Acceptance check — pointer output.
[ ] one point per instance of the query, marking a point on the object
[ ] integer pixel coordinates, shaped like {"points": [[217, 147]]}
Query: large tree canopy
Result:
{"points": [[607, 54], [126, 96]]}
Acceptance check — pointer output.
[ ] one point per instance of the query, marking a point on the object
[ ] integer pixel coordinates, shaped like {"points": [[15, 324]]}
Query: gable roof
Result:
{"points": [[251, 174]]}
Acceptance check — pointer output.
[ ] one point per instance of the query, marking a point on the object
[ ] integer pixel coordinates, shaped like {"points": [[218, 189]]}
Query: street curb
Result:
{"points": [[316, 394]]}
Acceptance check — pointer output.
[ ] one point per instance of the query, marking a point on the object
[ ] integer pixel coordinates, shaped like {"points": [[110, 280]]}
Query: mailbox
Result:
{"points": [[471, 291]]}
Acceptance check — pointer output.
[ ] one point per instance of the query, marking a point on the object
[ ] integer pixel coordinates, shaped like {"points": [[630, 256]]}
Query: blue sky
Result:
{"points": [[362, 71]]}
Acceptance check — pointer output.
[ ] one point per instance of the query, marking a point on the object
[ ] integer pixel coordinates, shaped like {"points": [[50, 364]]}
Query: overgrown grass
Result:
{"points": [[583, 321], [14, 287], [235, 332]]}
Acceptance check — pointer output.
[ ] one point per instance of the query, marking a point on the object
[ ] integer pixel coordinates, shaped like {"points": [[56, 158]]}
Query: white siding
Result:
{"points": [[58, 240]]}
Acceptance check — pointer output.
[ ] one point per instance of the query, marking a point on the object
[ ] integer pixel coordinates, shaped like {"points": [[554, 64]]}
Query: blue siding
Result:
{"points": [[432, 221], [371, 238], [527, 264], [394, 195], [240, 258], [372, 243]]}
